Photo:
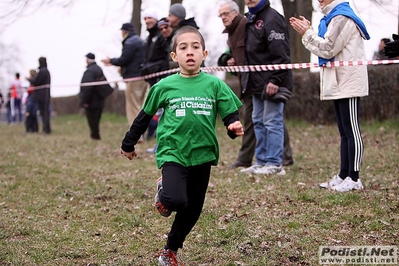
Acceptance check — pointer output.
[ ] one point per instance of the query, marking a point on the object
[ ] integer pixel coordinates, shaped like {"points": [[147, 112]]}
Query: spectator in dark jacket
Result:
{"points": [[177, 17], [91, 99], [267, 43], [166, 31], [41, 93], [154, 48], [235, 28], [131, 59]]}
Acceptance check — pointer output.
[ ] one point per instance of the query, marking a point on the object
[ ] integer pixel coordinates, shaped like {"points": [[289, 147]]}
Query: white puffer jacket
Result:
{"points": [[343, 41]]}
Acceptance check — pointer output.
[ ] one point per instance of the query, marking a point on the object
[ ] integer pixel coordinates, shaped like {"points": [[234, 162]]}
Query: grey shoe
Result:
{"points": [[238, 164], [251, 169], [270, 169]]}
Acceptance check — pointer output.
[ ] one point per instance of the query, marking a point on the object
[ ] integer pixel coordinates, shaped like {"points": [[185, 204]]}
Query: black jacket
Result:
{"points": [[42, 78], [88, 94], [132, 56], [155, 55], [187, 22], [266, 42]]}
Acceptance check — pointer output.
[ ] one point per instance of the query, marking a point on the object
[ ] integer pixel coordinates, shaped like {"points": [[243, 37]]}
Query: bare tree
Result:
{"points": [[136, 15], [294, 8], [11, 10]]}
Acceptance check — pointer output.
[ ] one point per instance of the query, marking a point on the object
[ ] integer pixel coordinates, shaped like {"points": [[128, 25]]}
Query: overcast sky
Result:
{"points": [[65, 35]]}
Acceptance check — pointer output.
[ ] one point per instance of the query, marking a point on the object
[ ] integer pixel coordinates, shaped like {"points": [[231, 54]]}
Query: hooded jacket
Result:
{"points": [[42, 78], [342, 40], [132, 56], [266, 42], [89, 95]]}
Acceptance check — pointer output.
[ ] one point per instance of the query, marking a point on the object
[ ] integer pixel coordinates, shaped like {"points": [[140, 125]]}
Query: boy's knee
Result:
{"points": [[175, 203]]}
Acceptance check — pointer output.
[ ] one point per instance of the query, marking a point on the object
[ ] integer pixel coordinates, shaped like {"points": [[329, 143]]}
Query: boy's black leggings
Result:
{"points": [[184, 190]]}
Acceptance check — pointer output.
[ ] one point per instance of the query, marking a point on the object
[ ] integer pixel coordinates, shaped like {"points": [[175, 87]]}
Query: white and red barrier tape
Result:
{"points": [[252, 68]]}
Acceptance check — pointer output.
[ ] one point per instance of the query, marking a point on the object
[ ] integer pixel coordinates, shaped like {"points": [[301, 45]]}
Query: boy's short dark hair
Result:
{"points": [[187, 29]]}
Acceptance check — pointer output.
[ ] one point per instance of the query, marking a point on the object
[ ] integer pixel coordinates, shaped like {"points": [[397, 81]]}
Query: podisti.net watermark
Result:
{"points": [[358, 255]]}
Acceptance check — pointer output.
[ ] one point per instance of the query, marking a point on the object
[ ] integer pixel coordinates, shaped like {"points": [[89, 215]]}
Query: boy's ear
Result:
{"points": [[173, 55], [204, 54]]}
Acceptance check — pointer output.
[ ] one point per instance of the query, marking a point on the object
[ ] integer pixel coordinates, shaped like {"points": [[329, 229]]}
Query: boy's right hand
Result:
{"points": [[129, 155]]}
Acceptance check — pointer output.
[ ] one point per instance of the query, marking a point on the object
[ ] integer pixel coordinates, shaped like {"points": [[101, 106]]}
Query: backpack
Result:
{"points": [[104, 90]]}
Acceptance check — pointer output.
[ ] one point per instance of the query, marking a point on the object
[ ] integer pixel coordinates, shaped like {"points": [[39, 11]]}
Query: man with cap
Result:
{"points": [[131, 59], [166, 31], [177, 17], [89, 98], [153, 47]]}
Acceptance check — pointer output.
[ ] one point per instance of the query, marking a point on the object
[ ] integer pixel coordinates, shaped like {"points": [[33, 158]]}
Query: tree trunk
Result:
{"points": [[241, 5], [296, 8], [136, 16]]}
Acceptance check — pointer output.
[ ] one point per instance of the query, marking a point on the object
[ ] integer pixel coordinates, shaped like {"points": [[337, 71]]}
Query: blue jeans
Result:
{"points": [[267, 117]]}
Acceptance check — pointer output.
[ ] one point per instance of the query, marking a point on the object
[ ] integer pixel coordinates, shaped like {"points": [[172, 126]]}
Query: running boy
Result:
{"points": [[186, 136]]}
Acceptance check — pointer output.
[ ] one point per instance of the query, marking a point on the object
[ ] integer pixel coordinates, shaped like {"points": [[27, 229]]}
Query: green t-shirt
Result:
{"points": [[186, 131]]}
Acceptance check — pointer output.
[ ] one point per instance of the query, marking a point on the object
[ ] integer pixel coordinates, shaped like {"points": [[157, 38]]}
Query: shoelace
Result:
{"points": [[172, 258]]}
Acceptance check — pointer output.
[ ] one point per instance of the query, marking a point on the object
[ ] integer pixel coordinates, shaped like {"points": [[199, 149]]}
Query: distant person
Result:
{"points": [[379, 55], [166, 31], [131, 59], [1, 101], [16, 96], [235, 24], [188, 145], [8, 108], [91, 99], [342, 29], [177, 17], [391, 49], [31, 123], [153, 47], [42, 94]]}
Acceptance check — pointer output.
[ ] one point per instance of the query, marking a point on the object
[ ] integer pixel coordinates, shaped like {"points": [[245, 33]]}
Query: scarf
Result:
{"points": [[255, 9], [345, 10]]}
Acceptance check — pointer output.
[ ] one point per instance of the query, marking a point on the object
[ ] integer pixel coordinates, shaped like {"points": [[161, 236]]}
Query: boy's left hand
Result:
{"points": [[237, 128], [129, 155]]}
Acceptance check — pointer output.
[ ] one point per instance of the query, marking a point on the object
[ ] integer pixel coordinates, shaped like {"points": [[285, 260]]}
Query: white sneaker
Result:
{"points": [[336, 180], [348, 184], [251, 169], [270, 169]]}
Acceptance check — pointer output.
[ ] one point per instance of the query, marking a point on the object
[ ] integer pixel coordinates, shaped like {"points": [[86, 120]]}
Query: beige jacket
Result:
{"points": [[343, 41]]}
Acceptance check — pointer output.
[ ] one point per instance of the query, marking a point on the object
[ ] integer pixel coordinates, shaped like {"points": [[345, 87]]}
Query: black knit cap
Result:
{"points": [[91, 56]]}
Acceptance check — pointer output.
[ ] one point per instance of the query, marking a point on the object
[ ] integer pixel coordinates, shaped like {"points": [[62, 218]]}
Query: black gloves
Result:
{"points": [[392, 48]]}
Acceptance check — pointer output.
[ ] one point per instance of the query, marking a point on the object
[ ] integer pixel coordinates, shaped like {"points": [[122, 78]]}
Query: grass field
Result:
{"points": [[68, 200]]}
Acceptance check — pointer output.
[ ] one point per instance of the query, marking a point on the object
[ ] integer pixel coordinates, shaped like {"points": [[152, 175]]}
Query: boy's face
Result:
{"points": [[189, 52]]}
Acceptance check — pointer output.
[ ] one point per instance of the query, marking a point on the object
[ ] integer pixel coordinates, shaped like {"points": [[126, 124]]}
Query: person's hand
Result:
{"points": [[106, 61], [271, 89], [231, 62], [391, 49], [300, 25], [237, 128], [129, 155]]}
